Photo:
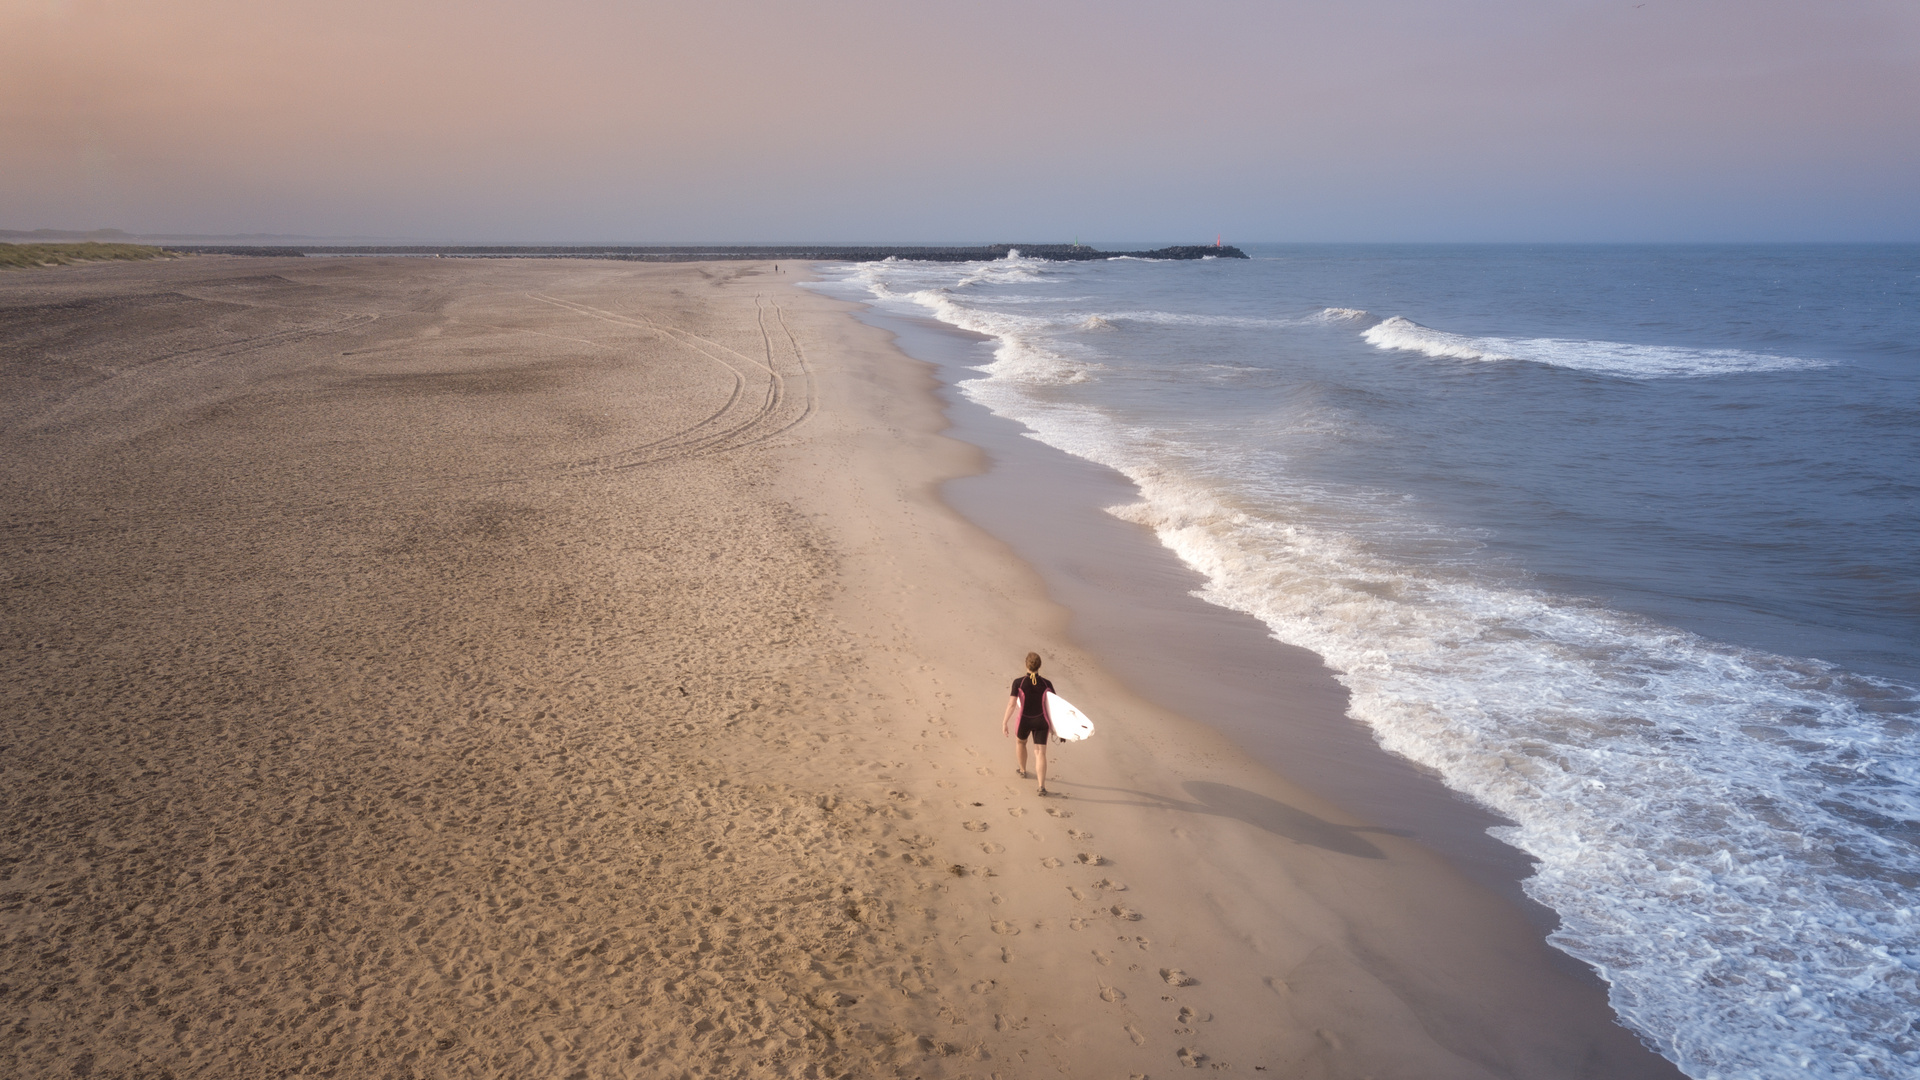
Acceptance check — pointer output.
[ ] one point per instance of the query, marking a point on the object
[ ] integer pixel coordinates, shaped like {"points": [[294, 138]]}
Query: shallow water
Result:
{"points": [[1621, 541]]}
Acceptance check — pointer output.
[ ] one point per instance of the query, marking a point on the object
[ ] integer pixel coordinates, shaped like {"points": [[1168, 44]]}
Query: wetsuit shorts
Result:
{"points": [[1033, 715]]}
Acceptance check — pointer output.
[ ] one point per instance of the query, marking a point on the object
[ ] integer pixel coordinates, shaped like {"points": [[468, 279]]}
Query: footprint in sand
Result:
{"points": [[1076, 893], [1188, 1016], [1111, 994], [1176, 977], [1110, 885], [1016, 811], [1140, 941], [991, 848], [1051, 863], [984, 986], [976, 826], [1134, 1034], [943, 783], [1190, 1058], [1078, 924], [1103, 958], [1078, 834], [1056, 812], [1084, 858], [1001, 926], [997, 898], [1121, 911]]}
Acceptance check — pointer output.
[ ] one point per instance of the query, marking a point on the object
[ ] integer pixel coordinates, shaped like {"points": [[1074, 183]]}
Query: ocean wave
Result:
{"points": [[1684, 799], [1407, 335], [1606, 357], [1732, 838], [1014, 268], [1680, 795], [1026, 350], [1178, 318], [1245, 322]]}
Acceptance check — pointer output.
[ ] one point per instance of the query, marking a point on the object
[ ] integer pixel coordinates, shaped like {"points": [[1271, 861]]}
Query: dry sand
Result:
{"points": [[444, 668]]}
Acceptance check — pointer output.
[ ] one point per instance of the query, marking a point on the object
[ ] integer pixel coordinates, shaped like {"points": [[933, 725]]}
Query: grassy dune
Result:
{"points": [[18, 255]]}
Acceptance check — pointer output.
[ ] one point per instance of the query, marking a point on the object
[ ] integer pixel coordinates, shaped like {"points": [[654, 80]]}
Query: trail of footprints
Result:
{"points": [[1099, 903]]}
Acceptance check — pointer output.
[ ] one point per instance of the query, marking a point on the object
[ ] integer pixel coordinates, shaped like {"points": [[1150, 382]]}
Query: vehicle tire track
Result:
{"points": [[681, 443], [612, 460], [700, 439], [806, 371], [760, 405]]}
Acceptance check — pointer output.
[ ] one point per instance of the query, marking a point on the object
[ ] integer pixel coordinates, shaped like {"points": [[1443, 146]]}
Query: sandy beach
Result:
{"points": [[462, 668]]}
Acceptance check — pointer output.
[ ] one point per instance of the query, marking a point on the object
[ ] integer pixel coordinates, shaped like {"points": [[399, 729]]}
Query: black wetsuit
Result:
{"points": [[1033, 714]]}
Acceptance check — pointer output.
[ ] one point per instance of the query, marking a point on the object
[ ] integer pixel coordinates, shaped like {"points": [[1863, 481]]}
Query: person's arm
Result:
{"points": [[1006, 721]]}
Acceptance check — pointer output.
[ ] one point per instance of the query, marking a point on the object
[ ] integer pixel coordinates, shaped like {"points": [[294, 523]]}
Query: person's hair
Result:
{"points": [[1033, 668]]}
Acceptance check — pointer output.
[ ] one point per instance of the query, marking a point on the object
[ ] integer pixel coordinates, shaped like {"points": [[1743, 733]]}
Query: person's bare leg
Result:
{"points": [[1020, 754], [1040, 764]]}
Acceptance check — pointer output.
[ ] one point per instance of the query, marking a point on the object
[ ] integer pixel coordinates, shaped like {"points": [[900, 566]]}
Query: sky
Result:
{"points": [[991, 120]]}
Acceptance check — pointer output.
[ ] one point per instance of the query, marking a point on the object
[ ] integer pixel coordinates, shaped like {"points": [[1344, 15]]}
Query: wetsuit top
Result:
{"points": [[1030, 695]]}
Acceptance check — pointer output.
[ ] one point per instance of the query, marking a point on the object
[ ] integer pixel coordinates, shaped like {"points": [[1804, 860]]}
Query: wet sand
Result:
{"points": [[447, 668], [1134, 607]]}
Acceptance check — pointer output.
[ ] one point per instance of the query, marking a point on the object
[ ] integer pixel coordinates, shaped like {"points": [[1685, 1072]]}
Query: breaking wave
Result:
{"points": [[1606, 357]]}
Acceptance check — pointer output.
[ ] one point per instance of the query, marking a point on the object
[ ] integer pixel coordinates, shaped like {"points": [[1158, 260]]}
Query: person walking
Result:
{"points": [[1029, 704]]}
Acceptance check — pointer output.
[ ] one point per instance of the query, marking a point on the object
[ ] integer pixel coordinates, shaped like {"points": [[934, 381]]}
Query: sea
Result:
{"points": [[1620, 542]]}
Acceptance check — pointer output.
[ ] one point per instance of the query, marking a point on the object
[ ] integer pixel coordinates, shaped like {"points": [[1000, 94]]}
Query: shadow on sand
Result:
{"points": [[1276, 817]]}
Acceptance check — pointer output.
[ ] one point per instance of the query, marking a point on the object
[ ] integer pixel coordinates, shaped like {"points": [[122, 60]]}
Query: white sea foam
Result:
{"points": [[1405, 334], [1671, 788], [1025, 351], [1014, 268], [1607, 357], [1680, 795], [1181, 318], [1717, 828]]}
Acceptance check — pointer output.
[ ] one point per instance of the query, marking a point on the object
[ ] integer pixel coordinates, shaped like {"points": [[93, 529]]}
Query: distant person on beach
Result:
{"points": [[1029, 703]]}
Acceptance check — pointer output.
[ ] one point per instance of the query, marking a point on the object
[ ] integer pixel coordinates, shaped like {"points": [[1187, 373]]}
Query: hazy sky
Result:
{"points": [[985, 120]]}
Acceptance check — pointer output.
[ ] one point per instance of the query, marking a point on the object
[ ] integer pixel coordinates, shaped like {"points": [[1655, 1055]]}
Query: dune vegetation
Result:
{"points": [[13, 256]]}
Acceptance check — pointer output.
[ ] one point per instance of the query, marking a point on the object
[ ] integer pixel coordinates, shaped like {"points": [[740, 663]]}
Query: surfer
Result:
{"points": [[1029, 703]]}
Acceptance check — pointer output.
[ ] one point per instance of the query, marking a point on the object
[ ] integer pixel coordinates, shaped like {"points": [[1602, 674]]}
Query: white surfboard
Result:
{"points": [[1069, 723]]}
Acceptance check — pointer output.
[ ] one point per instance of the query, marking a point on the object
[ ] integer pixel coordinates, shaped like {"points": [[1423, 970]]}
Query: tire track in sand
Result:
{"points": [[752, 414], [758, 407]]}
